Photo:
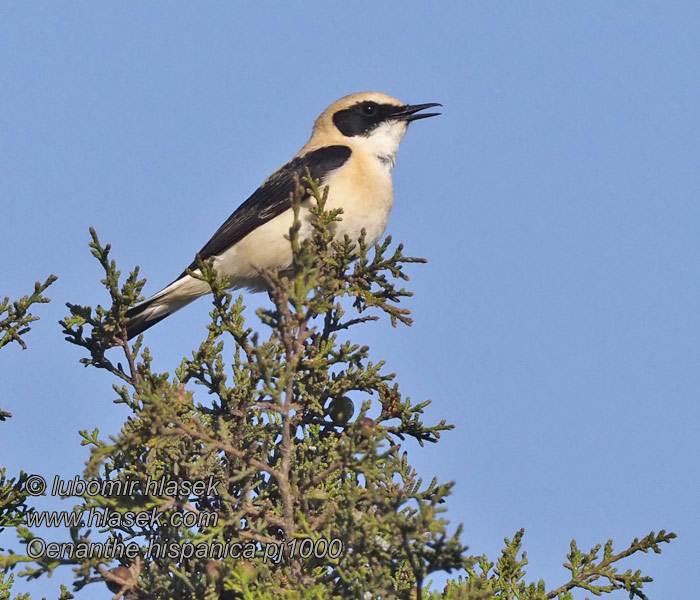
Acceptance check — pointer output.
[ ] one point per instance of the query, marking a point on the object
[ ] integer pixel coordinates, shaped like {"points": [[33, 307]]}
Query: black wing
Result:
{"points": [[272, 198]]}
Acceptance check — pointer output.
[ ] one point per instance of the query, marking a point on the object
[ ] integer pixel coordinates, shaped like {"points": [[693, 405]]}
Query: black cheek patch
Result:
{"points": [[352, 121]]}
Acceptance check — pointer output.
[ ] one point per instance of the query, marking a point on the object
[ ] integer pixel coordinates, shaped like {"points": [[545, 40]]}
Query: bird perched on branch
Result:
{"points": [[352, 150]]}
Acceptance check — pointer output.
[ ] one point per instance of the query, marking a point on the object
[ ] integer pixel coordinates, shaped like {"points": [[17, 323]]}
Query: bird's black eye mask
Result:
{"points": [[363, 117]]}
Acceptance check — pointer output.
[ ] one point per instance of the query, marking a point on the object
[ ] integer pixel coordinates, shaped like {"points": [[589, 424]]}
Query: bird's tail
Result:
{"points": [[170, 299]]}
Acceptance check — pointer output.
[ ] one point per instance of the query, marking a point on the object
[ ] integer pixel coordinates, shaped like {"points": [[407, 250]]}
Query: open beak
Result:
{"points": [[408, 112]]}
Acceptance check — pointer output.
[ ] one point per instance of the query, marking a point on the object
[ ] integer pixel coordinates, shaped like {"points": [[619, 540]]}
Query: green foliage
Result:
{"points": [[15, 322], [6, 588], [506, 578], [288, 468], [13, 507], [587, 567], [277, 421]]}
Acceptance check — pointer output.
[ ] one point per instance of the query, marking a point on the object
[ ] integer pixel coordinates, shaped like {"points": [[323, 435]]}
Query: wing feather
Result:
{"points": [[272, 198]]}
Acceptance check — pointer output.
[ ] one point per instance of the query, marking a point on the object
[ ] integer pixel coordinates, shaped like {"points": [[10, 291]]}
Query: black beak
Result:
{"points": [[408, 112]]}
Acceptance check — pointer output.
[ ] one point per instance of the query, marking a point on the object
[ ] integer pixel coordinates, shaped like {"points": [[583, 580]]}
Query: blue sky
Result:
{"points": [[556, 199]]}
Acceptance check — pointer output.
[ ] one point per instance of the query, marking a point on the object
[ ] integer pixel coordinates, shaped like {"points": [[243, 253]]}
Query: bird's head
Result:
{"points": [[370, 119]]}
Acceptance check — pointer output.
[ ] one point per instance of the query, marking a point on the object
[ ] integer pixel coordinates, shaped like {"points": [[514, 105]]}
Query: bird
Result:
{"points": [[352, 150]]}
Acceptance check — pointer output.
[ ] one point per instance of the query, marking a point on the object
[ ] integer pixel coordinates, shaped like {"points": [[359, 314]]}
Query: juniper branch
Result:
{"points": [[585, 570], [17, 319]]}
